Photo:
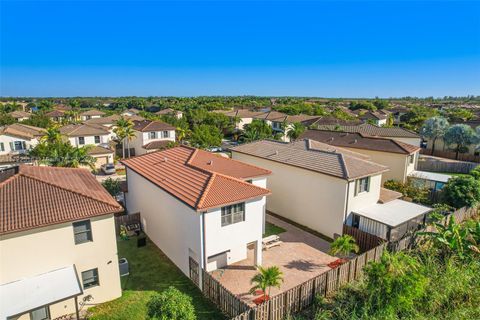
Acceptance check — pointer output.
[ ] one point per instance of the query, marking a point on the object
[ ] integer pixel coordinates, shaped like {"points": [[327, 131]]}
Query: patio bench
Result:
{"points": [[271, 241]]}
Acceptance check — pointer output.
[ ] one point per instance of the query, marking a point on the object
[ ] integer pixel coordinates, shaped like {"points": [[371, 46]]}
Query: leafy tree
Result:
{"points": [[266, 278], [205, 136], [344, 245], [52, 135], [366, 105], [257, 130], [124, 132], [462, 191], [417, 115], [475, 173], [6, 119], [433, 129], [462, 114], [112, 186], [171, 304], [295, 130], [409, 189], [38, 120], [45, 105], [63, 154], [395, 283], [381, 104], [221, 121], [341, 114], [460, 135]]}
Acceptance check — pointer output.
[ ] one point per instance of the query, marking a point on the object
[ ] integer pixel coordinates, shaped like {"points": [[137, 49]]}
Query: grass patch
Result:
{"points": [[271, 229], [150, 271], [454, 174]]}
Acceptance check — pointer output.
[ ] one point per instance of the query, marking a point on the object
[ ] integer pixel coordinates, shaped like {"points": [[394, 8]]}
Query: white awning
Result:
{"points": [[432, 176], [393, 213], [27, 294]]}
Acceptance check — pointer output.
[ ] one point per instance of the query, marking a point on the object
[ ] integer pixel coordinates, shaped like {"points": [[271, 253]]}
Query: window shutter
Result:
{"points": [[356, 187], [2, 148], [12, 148], [24, 145], [368, 184]]}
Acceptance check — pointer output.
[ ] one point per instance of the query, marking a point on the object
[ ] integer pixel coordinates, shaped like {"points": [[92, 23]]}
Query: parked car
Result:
{"points": [[108, 168], [215, 149]]}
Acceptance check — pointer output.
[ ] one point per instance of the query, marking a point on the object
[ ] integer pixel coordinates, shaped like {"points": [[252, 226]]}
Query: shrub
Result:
{"points": [[462, 191], [476, 173], [409, 189], [171, 304]]}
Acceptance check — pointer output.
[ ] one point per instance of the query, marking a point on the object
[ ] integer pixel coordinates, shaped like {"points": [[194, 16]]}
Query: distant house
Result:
{"points": [[56, 115], [130, 112], [243, 116], [170, 112], [19, 138], [282, 123], [378, 118], [151, 136], [110, 121], [198, 206], [20, 115], [57, 242], [95, 136], [324, 187], [401, 158], [91, 114], [398, 112], [396, 133]]}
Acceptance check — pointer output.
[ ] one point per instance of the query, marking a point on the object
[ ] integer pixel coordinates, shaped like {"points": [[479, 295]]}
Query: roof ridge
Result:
{"points": [[200, 201], [66, 189], [344, 165]]}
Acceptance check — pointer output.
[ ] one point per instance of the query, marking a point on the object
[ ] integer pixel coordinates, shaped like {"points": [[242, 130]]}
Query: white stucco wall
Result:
{"points": [[37, 251], [413, 141], [142, 138], [177, 229], [6, 139], [89, 140]]}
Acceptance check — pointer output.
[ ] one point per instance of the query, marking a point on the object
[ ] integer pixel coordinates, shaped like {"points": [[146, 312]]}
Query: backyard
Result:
{"points": [[150, 271]]}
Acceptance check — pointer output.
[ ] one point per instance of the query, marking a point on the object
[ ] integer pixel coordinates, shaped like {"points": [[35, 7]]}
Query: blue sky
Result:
{"points": [[327, 48]]}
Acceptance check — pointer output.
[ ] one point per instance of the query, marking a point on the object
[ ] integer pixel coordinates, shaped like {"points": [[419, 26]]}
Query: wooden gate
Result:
{"points": [[193, 265]]}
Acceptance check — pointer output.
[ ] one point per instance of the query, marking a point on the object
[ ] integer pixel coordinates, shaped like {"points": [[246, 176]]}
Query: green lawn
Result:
{"points": [[150, 271], [454, 174], [271, 229]]}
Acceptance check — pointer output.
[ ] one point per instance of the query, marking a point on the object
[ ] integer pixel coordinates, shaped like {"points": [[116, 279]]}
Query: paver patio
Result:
{"points": [[301, 256]]}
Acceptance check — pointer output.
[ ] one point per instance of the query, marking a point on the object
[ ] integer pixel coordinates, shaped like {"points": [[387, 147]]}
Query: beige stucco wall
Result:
{"points": [[37, 251], [398, 163], [413, 141], [440, 145], [315, 200]]}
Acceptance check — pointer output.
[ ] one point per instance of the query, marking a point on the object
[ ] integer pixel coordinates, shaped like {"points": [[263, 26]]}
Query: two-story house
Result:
{"points": [[170, 112], [20, 116], [198, 205], [281, 123], [57, 243], [19, 138], [401, 158], [96, 136], [324, 187], [91, 114], [151, 136]]}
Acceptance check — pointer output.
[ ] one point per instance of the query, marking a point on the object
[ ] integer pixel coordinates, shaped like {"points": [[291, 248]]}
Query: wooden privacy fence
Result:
{"points": [[303, 295], [445, 166], [365, 240], [126, 219]]}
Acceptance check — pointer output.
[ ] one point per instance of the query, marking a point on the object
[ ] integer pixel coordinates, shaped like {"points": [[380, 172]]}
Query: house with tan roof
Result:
{"points": [[396, 133], [57, 242], [151, 136], [96, 136], [57, 115], [197, 205], [19, 138], [319, 185], [91, 114], [401, 158], [282, 123], [130, 112], [170, 112], [378, 118], [241, 116], [20, 115]]}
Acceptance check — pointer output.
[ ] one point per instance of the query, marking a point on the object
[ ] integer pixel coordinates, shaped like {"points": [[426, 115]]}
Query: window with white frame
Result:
{"points": [[90, 278], [362, 185], [18, 145], [42, 313], [97, 139], [152, 135], [82, 231], [166, 134], [412, 158], [233, 214]]}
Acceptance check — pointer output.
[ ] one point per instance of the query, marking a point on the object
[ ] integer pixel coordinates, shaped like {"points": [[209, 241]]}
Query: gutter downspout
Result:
{"points": [[346, 204], [203, 252]]}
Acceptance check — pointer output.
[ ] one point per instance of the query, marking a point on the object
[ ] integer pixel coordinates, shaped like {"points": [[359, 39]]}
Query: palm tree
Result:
{"points": [[251, 135], [182, 133], [52, 135], [344, 245], [267, 278], [295, 130], [129, 135], [121, 131]]}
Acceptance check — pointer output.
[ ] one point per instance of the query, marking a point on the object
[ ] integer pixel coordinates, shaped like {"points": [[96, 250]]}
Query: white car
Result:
{"points": [[108, 168]]}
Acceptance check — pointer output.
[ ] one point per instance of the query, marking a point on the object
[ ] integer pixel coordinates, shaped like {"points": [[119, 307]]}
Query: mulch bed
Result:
{"points": [[337, 263]]}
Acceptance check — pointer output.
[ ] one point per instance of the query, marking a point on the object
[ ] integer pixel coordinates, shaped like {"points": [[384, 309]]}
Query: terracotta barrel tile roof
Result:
{"points": [[185, 173], [41, 196], [314, 157], [156, 145], [76, 130], [148, 125], [93, 112]]}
